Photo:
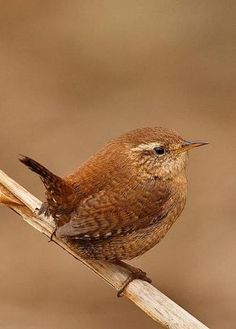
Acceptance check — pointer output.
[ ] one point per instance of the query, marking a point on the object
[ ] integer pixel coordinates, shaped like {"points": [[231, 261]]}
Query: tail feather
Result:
{"points": [[59, 193], [45, 174]]}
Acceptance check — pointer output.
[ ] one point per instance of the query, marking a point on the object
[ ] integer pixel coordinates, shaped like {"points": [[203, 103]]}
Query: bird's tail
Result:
{"points": [[59, 193]]}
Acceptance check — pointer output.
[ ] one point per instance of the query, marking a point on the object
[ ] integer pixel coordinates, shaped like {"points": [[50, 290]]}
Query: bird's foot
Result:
{"points": [[52, 234], [135, 273], [44, 210]]}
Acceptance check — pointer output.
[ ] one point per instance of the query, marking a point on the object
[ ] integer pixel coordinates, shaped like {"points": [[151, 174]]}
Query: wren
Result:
{"points": [[123, 200]]}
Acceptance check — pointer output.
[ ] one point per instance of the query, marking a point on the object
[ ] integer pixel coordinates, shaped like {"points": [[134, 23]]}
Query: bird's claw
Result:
{"points": [[137, 273], [43, 210], [52, 234]]}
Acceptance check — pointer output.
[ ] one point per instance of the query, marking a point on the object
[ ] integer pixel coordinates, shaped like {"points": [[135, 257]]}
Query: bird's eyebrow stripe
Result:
{"points": [[146, 146]]}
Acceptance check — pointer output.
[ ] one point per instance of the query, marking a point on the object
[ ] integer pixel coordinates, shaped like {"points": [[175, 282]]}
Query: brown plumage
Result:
{"points": [[60, 195], [124, 199]]}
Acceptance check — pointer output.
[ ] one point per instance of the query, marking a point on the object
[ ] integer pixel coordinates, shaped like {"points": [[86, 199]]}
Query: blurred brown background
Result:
{"points": [[74, 74]]}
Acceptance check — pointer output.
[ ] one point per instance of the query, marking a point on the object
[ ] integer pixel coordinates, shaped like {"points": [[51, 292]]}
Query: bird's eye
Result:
{"points": [[159, 150]]}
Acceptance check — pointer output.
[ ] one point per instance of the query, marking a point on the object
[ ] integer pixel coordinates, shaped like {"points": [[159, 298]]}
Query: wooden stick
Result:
{"points": [[158, 306]]}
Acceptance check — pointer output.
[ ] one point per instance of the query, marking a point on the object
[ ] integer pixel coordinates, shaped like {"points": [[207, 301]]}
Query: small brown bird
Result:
{"points": [[124, 199]]}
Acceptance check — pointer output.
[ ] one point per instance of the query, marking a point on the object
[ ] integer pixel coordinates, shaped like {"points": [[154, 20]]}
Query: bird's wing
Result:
{"points": [[111, 213]]}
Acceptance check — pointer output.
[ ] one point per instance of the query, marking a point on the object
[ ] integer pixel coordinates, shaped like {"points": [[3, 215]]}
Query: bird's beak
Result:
{"points": [[187, 145]]}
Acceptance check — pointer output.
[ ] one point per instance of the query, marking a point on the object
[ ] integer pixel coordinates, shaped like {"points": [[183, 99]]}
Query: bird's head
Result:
{"points": [[158, 152]]}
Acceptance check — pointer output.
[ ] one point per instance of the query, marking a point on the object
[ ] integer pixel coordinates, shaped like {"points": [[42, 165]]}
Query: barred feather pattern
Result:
{"points": [[60, 195]]}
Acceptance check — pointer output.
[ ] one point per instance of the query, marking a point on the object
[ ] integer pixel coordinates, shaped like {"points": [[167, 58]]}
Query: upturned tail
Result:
{"points": [[60, 194]]}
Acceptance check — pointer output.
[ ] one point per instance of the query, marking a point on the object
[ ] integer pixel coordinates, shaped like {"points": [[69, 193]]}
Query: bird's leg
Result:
{"points": [[135, 273]]}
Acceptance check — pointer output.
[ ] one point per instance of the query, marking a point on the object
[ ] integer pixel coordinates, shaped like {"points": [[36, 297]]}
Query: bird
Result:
{"points": [[123, 200]]}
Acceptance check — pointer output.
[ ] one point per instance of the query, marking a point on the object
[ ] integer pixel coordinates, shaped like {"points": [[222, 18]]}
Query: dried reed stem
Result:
{"points": [[158, 306]]}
